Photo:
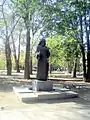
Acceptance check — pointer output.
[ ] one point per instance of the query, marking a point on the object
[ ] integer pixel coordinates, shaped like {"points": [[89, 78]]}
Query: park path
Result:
{"points": [[72, 109], [56, 76]]}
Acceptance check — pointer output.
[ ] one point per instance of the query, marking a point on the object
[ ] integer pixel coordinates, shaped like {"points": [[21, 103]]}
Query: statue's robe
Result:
{"points": [[43, 64]]}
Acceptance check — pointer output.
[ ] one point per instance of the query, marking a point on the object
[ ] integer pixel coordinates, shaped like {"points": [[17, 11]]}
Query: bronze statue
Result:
{"points": [[43, 55]]}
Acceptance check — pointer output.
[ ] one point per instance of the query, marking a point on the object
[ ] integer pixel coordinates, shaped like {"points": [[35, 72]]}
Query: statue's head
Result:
{"points": [[42, 42]]}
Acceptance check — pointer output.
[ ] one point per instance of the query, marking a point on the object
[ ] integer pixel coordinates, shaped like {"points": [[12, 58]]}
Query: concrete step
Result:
{"points": [[25, 95]]}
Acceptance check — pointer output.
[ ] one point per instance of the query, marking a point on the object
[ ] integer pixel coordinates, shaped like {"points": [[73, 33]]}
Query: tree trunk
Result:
{"points": [[88, 67], [15, 56], [31, 65], [88, 48], [74, 69], [84, 62], [18, 68], [50, 68], [27, 55], [69, 67], [8, 57], [82, 48]]}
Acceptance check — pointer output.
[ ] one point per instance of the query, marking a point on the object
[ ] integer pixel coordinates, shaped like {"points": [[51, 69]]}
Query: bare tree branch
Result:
{"points": [[5, 22], [3, 2], [2, 37], [13, 27]]}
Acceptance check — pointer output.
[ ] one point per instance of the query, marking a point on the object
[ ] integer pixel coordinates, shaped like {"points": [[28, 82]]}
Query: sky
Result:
{"points": [[1, 41]]}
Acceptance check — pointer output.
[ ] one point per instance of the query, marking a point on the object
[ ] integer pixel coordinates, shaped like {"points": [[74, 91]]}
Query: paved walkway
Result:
{"points": [[71, 109], [60, 78], [21, 76], [76, 109]]}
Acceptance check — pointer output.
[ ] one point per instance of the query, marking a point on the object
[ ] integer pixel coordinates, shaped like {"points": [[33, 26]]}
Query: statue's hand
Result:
{"points": [[38, 55]]}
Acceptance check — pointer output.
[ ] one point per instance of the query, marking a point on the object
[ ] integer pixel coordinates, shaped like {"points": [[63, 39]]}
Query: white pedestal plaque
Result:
{"points": [[42, 85]]}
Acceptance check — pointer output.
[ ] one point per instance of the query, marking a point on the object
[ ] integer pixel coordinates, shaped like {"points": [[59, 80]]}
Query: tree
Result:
{"points": [[17, 56], [55, 52], [70, 17], [26, 9], [82, 8], [6, 32], [35, 32], [72, 52], [87, 24], [64, 52]]}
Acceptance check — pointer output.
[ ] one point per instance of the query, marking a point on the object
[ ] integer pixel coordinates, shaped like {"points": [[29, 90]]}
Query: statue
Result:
{"points": [[43, 55]]}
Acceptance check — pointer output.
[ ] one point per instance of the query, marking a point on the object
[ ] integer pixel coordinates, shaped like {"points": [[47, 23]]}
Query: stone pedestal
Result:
{"points": [[42, 90], [42, 85], [26, 95]]}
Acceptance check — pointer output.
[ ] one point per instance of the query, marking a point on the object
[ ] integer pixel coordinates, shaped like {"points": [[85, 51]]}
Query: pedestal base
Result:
{"points": [[42, 85], [26, 95]]}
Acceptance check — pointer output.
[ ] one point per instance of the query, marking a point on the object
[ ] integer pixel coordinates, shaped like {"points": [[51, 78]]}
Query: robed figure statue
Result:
{"points": [[43, 55]]}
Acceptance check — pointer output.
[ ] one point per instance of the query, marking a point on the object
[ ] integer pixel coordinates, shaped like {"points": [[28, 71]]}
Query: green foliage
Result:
{"points": [[71, 48], [62, 17], [22, 57], [58, 18], [23, 7], [64, 50], [2, 62], [21, 62], [54, 45]]}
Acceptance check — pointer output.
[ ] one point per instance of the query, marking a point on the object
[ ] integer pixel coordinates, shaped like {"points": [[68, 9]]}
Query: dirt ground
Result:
{"points": [[8, 99]]}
